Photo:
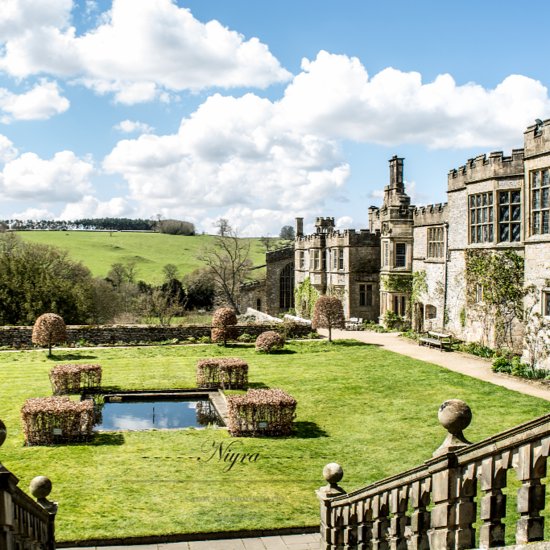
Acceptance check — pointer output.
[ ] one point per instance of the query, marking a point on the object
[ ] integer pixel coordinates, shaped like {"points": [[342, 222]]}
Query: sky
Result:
{"points": [[254, 110]]}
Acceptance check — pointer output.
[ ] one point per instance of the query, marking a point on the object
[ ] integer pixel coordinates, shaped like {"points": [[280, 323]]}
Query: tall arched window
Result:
{"points": [[286, 287]]}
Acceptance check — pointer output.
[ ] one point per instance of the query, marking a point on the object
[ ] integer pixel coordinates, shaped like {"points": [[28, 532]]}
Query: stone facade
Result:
{"points": [[274, 294], [413, 262]]}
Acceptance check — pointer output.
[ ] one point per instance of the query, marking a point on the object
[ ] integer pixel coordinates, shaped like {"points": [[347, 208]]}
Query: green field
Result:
{"points": [[373, 411], [150, 251]]}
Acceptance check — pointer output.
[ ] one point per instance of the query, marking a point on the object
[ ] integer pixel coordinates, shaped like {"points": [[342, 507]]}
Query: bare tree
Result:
{"points": [[228, 260], [224, 228]]}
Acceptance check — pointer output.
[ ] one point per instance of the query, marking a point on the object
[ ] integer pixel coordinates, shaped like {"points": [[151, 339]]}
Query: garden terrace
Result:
{"points": [[375, 406]]}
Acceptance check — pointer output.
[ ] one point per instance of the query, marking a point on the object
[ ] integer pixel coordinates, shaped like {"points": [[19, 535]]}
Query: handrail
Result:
{"points": [[433, 506], [25, 523]]}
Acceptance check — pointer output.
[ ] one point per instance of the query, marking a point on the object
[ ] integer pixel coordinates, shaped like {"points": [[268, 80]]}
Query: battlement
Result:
{"points": [[433, 214], [351, 237], [484, 167], [286, 253], [324, 225], [537, 138]]}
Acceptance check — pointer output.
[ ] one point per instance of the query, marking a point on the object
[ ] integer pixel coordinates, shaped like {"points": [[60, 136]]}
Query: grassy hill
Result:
{"points": [[150, 251]]}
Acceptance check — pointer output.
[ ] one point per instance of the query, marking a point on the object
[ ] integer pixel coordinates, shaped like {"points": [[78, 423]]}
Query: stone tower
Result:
{"points": [[395, 220]]}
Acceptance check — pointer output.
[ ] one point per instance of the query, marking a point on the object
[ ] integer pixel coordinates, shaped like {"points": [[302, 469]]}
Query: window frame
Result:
{"points": [[365, 295], [539, 215], [435, 247], [481, 217], [509, 223], [402, 256]]}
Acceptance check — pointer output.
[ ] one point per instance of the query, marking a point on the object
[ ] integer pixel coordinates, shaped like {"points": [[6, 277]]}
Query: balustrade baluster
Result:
{"points": [[531, 467], [398, 522], [493, 504], [381, 523], [420, 517]]}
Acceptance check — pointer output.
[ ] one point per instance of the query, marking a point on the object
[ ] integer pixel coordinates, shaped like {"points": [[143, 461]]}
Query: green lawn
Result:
{"points": [[373, 411], [150, 251]]}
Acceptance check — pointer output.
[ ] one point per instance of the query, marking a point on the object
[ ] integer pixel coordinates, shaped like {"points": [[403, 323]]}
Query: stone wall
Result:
{"points": [[17, 337]]}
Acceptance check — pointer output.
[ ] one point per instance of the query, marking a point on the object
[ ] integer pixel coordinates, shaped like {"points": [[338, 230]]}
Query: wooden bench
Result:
{"points": [[437, 340]]}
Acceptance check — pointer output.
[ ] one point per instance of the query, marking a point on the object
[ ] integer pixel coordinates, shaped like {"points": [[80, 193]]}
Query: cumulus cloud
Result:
{"points": [[91, 207], [139, 49], [62, 178], [232, 153], [33, 214], [334, 96], [344, 222], [40, 103], [7, 150], [133, 126]]}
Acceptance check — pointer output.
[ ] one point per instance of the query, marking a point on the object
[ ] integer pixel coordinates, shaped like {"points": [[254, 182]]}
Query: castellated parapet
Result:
{"points": [[484, 167], [347, 237], [433, 214], [537, 139]]}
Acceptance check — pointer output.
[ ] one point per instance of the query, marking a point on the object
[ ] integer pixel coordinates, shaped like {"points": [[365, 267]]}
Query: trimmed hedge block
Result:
{"points": [[67, 379], [229, 373], [261, 412], [49, 420]]}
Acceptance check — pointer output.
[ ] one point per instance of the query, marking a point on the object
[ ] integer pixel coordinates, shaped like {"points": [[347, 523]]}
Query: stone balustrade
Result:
{"points": [[24, 523], [435, 505]]}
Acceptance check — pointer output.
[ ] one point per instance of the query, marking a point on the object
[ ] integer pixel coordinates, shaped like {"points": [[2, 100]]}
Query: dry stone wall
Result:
{"points": [[20, 337]]}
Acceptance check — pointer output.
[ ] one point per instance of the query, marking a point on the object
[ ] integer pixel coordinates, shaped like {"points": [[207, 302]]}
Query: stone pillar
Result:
{"points": [[530, 469], [40, 488], [454, 488], [332, 534]]}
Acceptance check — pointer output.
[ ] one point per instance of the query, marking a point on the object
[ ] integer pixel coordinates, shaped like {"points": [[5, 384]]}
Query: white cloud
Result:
{"points": [[139, 49], [344, 222], [40, 103], [133, 126], [33, 214], [64, 177], [7, 150], [232, 153], [334, 96], [91, 207]]}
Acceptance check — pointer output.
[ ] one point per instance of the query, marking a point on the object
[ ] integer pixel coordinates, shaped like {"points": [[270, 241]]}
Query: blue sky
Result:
{"points": [[253, 110]]}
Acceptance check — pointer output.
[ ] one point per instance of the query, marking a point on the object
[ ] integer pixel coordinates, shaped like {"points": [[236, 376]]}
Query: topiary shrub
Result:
{"points": [[223, 372], [329, 314], [261, 412], [49, 329], [49, 420], [224, 320], [67, 379], [269, 341]]}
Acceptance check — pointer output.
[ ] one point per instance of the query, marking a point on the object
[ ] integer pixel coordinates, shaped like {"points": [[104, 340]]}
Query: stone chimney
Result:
{"points": [[299, 227]]}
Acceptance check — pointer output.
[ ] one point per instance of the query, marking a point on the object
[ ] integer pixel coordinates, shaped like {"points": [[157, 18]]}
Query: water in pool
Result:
{"points": [[153, 414]]}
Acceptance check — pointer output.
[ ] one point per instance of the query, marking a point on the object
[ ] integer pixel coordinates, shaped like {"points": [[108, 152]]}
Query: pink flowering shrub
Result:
{"points": [[269, 341]]}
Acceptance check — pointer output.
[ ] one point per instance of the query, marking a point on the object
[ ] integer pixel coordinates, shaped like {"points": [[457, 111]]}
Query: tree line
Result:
{"points": [[169, 226], [37, 278]]}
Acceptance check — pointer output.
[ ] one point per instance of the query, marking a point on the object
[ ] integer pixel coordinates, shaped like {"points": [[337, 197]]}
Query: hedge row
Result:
{"points": [[67, 379], [49, 420], [229, 373], [261, 412]]}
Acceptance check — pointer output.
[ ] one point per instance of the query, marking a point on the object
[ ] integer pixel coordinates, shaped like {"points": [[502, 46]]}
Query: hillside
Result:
{"points": [[150, 251]]}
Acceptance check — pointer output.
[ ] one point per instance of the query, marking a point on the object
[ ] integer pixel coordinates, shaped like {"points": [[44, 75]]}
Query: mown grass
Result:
{"points": [[373, 411], [150, 251]]}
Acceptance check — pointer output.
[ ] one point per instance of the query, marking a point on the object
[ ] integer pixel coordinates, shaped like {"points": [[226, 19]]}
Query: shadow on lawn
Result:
{"points": [[106, 438], [69, 356], [307, 430], [257, 386]]}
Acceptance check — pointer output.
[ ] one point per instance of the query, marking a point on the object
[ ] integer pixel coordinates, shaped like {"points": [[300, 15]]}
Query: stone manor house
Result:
{"points": [[426, 264]]}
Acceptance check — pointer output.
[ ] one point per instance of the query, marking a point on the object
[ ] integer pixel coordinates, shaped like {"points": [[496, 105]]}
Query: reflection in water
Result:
{"points": [[149, 415]]}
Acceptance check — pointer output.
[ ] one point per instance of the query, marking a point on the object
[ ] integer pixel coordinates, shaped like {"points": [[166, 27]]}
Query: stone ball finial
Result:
{"points": [[454, 415], [333, 473], [3, 433], [40, 487]]}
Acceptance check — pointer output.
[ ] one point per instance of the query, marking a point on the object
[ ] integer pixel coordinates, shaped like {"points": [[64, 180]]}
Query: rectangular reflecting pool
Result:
{"points": [[138, 413]]}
